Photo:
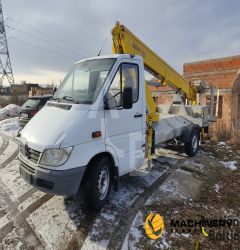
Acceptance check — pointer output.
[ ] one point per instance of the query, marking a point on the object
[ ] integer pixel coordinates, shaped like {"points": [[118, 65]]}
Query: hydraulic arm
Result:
{"points": [[125, 42]]}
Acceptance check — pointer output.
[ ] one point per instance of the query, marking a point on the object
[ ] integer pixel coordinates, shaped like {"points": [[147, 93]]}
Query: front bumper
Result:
{"points": [[58, 182]]}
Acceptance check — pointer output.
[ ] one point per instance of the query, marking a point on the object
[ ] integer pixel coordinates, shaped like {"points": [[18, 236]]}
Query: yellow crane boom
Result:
{"points": [[125, 42]]}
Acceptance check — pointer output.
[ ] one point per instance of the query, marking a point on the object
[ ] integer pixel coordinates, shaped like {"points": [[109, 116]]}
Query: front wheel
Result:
{"points": [[191, 146], [98, 183]]}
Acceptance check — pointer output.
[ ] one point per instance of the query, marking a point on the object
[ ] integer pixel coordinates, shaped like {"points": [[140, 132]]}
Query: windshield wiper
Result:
{"points": [[55, 99], [69, 98]]}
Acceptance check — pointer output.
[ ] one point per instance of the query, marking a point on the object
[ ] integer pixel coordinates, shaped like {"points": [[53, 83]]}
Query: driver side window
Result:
{"points": [[114, 94], [126, 76]]}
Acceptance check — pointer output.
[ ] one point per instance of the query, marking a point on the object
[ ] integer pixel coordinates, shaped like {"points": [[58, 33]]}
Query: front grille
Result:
{"points": [[30, 153], [27, 167]]}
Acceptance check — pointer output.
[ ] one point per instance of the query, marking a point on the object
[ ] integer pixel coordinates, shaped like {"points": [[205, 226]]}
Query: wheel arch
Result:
{"points": [[95, 158]]}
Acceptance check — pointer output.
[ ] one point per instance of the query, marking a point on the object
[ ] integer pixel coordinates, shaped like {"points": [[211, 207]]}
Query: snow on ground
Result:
{"points": [[98, 244], [11, 148], [164, 244], [32, 199], [180, 185], [4, 221], [52, 223], [222, 143], [56, 221], [3, 204], [230, 164], [1, 141], [10, 126], [110, 215], [12, 241], [216, 188], [134, 234], [14, 185], [10, 110], [196, 165]]}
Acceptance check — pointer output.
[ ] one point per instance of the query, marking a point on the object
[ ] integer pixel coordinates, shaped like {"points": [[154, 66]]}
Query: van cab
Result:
{"points": [[91, 132]]}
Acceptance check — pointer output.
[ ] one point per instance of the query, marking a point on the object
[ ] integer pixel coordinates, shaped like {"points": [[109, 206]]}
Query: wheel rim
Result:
{"points": [[195, 142], [103, 182]]}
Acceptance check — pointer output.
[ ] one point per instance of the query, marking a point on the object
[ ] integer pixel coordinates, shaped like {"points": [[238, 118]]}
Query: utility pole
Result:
{"points": [[5, 63]]}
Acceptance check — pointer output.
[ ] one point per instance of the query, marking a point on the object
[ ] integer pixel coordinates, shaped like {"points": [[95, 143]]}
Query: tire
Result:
{"points": [[191, 146], [98, 183]]}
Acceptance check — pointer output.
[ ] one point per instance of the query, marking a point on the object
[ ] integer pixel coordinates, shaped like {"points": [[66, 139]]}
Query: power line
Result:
{"points": [[45, 49], [45, 34], [43, 40], [5, 63], [44, 12]]}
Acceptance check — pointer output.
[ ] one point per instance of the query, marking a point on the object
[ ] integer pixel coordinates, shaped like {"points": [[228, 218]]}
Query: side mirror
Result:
{"points": [[127, 98]]}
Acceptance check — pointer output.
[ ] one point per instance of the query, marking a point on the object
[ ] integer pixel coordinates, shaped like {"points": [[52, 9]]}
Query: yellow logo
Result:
{"points": [[154, 226], [204, 232]]}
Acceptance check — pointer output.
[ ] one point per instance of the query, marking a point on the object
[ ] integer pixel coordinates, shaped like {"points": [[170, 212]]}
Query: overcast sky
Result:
{"points": [[46, 37]]}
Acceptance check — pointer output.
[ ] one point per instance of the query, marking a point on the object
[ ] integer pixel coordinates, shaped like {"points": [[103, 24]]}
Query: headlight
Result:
{"points": [[55, 156]]}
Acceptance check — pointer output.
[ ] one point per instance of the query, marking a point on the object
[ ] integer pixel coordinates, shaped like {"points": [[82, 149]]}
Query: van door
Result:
{"points": [[124, 127]]}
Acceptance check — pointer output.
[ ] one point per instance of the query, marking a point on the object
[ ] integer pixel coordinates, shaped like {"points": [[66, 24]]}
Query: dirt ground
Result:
{"points": [[218, 197], [177, 187]]}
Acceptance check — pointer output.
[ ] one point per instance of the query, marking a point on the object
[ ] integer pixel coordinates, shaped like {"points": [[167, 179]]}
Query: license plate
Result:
{"points": [[26, 176], [24, 115]]}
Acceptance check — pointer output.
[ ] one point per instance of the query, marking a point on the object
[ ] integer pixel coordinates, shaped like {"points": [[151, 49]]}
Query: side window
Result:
{"points": [[126, 76], [130, 78], [114, 94]]}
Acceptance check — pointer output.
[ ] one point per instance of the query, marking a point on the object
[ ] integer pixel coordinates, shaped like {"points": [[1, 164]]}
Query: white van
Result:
{"points": [[93, 130]]}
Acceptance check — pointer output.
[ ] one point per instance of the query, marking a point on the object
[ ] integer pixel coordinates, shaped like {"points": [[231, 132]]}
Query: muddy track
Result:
{"points": [[11, 158], [3, 148], [81, 234], [5, 143], [125, 223], [17, 219]]}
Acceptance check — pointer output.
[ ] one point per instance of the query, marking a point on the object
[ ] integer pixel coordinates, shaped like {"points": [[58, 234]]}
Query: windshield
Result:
{"points": [[31, 103], [84, 81]]}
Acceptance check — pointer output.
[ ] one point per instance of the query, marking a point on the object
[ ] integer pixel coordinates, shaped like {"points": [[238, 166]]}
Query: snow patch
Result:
{"points": [[216, 188], [230, 164], [165, 244], [4, 221], [12, 241], [11, 148], [89, 243], [1, 141], [14, 185], [135, 234], [32, 199], [10, 126], [10, 110], [222, 143], [52, 223]]}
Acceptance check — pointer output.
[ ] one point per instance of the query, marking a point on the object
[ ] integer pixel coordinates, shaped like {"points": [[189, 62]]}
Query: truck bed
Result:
{"points": [[168, 127]]}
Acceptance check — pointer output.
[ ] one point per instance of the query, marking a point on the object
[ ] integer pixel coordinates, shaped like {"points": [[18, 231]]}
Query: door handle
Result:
{"points": [[137, 115]]}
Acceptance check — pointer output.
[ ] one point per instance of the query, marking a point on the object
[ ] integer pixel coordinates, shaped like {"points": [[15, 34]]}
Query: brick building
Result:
{"points": [[221, 73], [224, 74]]}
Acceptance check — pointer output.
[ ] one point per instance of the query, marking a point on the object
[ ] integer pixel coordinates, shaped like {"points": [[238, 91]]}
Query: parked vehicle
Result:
{"points": [[31, 107], [102, 120]]}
